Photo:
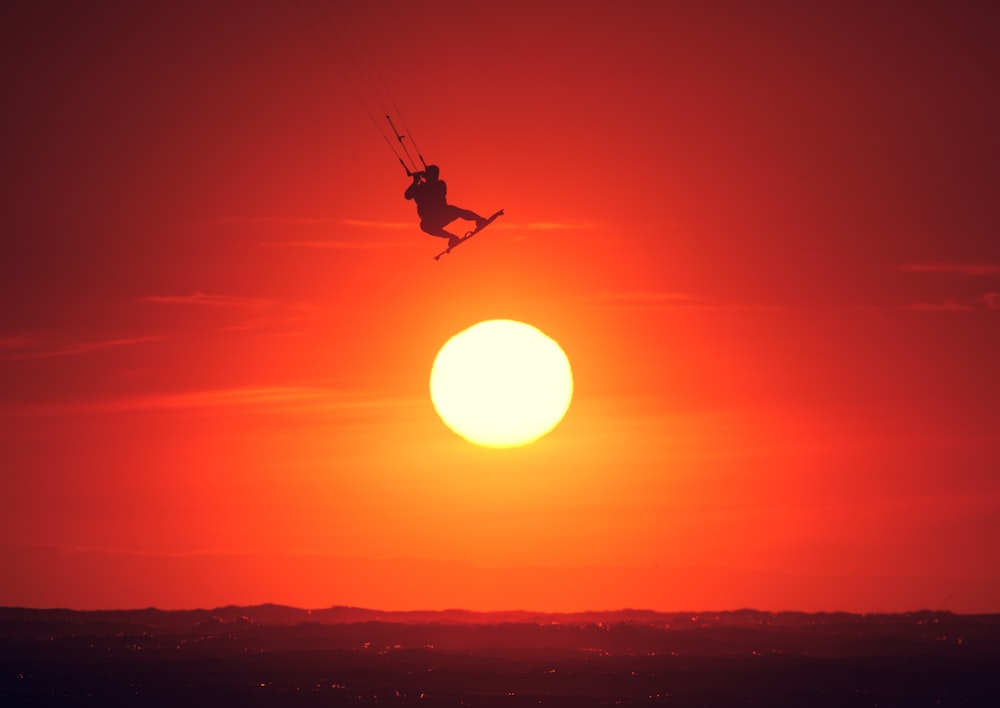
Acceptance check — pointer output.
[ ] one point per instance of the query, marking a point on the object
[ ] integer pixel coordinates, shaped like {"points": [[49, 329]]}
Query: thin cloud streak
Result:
{"points": [[987, 301], [500, 223], [263, 312], [544, 226], [657, 298], [246, 399], [16, 341], [652, 296], [554, 226], [42, 351], [286, 220], [329, 245], [991, 299], [209, 300], [108, 550], [413, 226], [189, 553], [971, 269], [379, 224], [947, 306]]}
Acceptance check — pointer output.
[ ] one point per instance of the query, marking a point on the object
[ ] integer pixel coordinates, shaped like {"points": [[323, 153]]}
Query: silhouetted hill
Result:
{"points": [[274, 655]]}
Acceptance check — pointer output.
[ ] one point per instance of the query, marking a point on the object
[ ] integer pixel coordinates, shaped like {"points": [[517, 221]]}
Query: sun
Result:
{"points": [[501, 383]]}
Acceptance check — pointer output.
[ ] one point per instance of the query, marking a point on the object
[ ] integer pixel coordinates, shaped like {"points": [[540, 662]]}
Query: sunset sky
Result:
{"points": [[766, 234]]}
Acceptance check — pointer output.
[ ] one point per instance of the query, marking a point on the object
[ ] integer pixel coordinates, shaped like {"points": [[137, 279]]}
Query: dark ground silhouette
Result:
{"points": [[279, 656]]}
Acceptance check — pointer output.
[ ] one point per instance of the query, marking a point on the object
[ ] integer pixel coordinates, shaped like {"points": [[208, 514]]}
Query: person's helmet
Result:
{"points": [[432, 171]]}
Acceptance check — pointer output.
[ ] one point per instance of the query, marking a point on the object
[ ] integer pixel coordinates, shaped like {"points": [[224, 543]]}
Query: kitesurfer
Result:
{"points": [[430, 194]]}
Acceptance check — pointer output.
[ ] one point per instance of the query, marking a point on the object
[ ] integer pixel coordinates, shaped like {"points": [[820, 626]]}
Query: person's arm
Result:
{"points": [[418, 178]]}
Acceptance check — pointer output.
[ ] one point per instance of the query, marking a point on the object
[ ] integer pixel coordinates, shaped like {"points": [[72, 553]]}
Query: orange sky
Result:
{"points": [[765, 234]]}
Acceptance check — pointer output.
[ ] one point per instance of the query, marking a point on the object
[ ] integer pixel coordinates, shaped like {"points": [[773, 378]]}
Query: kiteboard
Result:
{"points": [[469, 234]]}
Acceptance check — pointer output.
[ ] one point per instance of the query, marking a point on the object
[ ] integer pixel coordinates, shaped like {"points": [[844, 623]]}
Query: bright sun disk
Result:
{"points": [[501, 383]]}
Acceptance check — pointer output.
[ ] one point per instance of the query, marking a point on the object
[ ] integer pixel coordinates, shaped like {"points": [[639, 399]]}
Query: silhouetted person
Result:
{"points": [[430, 194]]}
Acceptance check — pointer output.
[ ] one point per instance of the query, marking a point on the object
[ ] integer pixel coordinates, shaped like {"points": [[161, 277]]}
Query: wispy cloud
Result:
{"points": [[210, 551], [261, 312], [666, 299], [348, 244], [500, 223], [991, 300], [413, 226], [946, 306], [552, 226], [653, 297], [209, 300], [972, 269], [329, 245], [342, 244], [39, 348], [249, 397], [279, 220], [16, 341], [364, 224], [245, 399], [119, 551]]}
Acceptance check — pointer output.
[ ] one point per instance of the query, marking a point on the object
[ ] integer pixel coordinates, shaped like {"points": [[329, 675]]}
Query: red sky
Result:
{"points": [[765, 234]]}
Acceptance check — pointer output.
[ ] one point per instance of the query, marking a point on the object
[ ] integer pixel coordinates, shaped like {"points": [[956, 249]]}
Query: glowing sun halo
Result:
{"points": [[501, 383]]}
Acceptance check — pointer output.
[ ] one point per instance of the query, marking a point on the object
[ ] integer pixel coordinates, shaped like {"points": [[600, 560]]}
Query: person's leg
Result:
{"points": [[455, 212], [437, 229]]}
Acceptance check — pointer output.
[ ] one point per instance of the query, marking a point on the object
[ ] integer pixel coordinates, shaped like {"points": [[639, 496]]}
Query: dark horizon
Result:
{"points": [[514, 614], [279, 656]]}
